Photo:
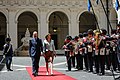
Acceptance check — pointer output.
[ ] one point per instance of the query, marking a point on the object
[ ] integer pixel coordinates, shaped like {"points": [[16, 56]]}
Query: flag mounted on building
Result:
{"points": [[97, 1], [117, 5], [89, 5]]}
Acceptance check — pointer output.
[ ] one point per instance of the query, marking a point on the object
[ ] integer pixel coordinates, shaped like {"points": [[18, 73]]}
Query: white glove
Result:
{"points": [[3, 56]]}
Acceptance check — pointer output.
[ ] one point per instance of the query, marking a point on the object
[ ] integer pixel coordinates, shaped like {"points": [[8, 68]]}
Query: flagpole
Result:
{"points": [[109, 24], [107, 11], [94, 16]]}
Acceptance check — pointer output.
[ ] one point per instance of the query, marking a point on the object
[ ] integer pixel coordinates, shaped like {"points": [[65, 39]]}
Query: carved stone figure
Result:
{"points": [[25, 40], [23, 49]]}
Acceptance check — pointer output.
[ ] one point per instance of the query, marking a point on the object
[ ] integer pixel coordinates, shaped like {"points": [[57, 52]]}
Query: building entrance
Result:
{"points": [[58, 28]]}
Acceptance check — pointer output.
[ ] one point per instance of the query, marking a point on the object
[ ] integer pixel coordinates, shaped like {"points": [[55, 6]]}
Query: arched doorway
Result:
{"points": [[58, 27], [86, 21], [3, 30], [26, 20]]}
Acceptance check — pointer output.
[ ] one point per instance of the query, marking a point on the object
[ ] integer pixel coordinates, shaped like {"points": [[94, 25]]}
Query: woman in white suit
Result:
{"points": [[49, 52]]}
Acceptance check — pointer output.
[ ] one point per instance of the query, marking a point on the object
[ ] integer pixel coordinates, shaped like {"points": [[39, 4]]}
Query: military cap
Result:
{"points": [[8, 39], [90, 31], [103, 31], [80, 35]]}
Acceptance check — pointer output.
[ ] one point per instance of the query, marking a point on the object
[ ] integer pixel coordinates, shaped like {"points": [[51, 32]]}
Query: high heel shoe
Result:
{"points": [[46, 73], [51, 73]]}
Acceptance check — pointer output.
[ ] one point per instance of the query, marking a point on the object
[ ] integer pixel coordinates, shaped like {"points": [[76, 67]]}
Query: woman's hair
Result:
{"points": [[46, 37]]}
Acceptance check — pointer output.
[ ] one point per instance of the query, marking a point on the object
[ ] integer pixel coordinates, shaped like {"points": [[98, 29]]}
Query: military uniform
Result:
{"points": [[85, 54], [80, 52], [90, 41], [8, 52], [113, 53], [68, 47]]}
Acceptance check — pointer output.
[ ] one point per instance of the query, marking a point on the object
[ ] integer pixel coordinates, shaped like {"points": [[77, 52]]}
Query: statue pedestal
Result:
{"points": [[23, 53]]}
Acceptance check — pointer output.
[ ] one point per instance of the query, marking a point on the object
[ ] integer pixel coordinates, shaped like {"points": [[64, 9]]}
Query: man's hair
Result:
{"points": [[35, 32]]}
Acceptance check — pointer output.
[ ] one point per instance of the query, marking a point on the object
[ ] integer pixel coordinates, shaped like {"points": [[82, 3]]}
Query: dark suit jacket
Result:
{"points": [[35, 47], [8, 50]]}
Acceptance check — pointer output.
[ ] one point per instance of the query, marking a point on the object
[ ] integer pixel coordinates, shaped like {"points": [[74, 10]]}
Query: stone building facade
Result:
{"points": [[58, 17]]}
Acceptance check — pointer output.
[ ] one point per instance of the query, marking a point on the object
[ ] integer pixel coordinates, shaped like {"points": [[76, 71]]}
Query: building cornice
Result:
{"points": [[46, 3]]}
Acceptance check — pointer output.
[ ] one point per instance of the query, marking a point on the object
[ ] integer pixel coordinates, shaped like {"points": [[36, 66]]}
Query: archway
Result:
{"points": [[26, 20], [3, 30], [87, 21], [58, 27]]}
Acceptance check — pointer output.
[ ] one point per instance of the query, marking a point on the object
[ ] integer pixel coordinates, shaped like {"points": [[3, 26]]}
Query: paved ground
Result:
{"points": [[20, 73]]}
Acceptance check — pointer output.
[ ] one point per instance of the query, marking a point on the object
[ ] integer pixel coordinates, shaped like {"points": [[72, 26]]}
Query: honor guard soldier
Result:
{"points": [[107, 55], [80, 52], [8, 52], [68, 46], [113, 44], [75, 51], [66, 41], [90, 40], [67, 51], [100, 51], [96, 47], [105, 41], [101, 48], [85, 54]]}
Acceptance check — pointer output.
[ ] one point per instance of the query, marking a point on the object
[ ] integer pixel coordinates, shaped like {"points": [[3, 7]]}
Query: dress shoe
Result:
{"points": [[90, 71], [101, 74], [9, 70], [34, 74], [68, 70]]}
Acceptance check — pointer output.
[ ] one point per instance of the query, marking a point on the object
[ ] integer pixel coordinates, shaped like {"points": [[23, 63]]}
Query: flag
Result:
{"points": [[117, 5], [97, 1], [89, 5]]}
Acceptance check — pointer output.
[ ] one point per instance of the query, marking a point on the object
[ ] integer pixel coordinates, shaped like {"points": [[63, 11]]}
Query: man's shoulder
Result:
{"points": [[5, 45], [40, 39]]}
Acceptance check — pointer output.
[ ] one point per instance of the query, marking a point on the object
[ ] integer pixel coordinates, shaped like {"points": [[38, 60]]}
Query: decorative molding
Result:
{"points": [[11, 9], [76, 3], [73, 9], [43, 9]]}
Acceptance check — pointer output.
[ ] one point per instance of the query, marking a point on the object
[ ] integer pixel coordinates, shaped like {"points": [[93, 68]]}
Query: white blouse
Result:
{"points": [[48, 45]]}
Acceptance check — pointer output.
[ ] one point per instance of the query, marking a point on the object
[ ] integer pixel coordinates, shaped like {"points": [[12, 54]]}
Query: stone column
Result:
{"points": [[12, 27], [102, 19], [44, 23], [74, 28], [39, 29]]}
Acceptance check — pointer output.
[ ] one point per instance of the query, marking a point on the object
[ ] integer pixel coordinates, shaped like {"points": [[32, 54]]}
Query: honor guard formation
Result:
{"points": [[94, 50]]}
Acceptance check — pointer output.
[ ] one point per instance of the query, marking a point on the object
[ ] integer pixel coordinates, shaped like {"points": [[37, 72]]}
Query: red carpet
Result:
{"points": [[42, 75]]}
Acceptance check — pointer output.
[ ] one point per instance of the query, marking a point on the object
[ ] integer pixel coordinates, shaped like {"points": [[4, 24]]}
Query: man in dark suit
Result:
{"points": [[8, 53], [35, 49]]}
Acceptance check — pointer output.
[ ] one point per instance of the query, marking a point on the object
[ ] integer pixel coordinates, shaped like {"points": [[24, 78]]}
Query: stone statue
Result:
{"points": [[25, 40], [23, 49]]}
